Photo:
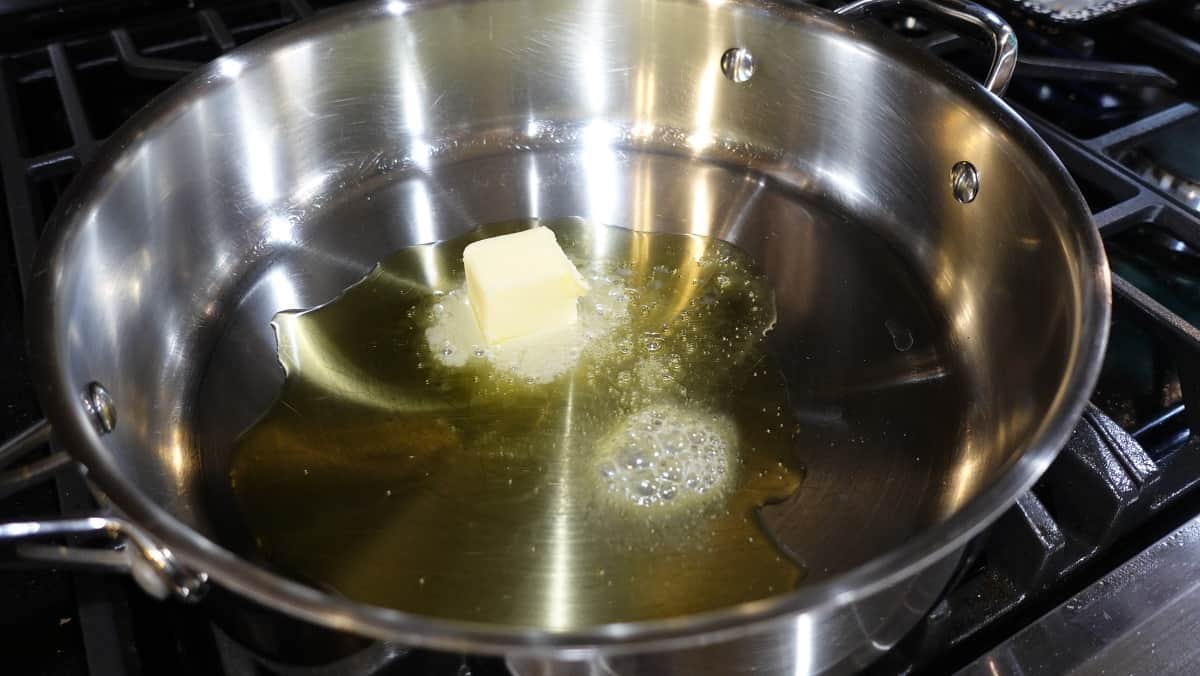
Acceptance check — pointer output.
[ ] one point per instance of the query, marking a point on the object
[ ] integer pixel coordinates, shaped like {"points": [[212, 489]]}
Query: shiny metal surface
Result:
{"points": [[152, 566], [1140, 619], [280, 174], [13, 479], [1001, 35], [31, 438], [738, 64], [964, 180], [99, 404]]}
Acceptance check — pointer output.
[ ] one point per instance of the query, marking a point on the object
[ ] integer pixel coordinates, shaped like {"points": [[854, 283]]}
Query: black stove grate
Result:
{"points": [[1094, 93]]}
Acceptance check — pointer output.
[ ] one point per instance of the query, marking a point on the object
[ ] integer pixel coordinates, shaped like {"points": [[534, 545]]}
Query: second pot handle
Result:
{"points": [[1004, 41], [152, 566], [155, 569]]}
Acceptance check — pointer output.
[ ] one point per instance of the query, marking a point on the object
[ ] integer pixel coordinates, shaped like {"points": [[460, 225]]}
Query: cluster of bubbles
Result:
{"points": [[667, 455]]}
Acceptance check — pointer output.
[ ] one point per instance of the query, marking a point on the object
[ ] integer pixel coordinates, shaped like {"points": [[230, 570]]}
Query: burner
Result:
{"points": [[1187, 190], [1165, 240], [1170, 160]]}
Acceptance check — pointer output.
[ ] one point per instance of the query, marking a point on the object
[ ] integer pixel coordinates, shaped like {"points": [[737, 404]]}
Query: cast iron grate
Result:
{"points": [[1094, 93]]}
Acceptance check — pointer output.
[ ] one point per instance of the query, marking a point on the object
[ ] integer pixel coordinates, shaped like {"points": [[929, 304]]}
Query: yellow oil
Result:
{"points": [[624, 488]]}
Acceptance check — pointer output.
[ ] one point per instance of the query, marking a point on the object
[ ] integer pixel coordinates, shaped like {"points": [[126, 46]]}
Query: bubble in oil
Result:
{"points": [[653, 344], [663, 454]]}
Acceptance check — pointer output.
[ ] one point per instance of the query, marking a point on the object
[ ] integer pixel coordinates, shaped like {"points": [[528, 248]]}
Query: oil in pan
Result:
{"points": [[614, 476]]}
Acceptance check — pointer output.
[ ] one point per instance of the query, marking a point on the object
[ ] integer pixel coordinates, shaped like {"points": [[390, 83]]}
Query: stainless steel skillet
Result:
{"points": [[236, 195]]}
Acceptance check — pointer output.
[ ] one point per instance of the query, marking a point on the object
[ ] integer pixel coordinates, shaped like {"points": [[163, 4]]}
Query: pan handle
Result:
{"points": [[155, 569], [1004, 41]]}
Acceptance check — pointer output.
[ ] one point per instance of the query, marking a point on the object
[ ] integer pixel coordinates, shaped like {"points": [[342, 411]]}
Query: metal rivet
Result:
{"points": [[737, 64], [964, 179], [99, 404]]}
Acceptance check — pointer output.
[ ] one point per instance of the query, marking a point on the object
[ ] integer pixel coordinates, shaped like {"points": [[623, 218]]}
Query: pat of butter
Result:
{"points": [[521, 284]]}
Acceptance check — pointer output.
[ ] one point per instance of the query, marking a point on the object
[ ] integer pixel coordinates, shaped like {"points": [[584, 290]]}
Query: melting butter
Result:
{"points": [[521, 284], [454, 337]]}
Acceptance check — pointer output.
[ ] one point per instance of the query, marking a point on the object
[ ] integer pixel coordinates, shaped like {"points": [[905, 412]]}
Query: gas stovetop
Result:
{"points": [[1117, 99]]}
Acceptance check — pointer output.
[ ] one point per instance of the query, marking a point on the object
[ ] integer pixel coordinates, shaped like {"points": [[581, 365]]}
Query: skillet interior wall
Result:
{"points": [[209, 214]]}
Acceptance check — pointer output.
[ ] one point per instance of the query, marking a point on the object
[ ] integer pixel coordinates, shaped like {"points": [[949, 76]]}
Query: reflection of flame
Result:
{"points": [[965, 478], [592, 47], [802, 660], [175, 451], [600, 166], [562, 563]]}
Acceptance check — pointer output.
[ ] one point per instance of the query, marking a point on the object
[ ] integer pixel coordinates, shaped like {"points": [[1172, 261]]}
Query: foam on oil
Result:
{"points": [[609, 472]]}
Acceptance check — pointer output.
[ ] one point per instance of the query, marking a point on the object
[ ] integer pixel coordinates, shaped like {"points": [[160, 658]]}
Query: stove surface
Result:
{"points": [[1117, 100], [1141, 618]]}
